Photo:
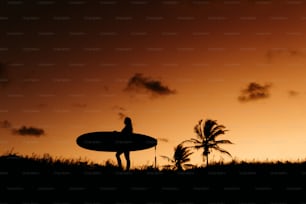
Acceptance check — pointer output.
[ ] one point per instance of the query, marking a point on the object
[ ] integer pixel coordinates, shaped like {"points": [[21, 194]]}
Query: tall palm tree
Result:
{"points": [[180, 157], [206, 137]]}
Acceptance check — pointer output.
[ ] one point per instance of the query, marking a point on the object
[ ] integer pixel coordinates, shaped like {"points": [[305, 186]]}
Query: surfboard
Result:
{"points": [[113, 141]]}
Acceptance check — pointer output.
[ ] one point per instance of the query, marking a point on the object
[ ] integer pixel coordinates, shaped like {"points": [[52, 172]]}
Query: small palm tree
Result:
{"points": [[180, 157], [206, 137]]}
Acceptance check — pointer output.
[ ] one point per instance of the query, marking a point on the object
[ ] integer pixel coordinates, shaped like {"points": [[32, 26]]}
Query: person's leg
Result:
{"points": [[119, 159], [128, 162]]}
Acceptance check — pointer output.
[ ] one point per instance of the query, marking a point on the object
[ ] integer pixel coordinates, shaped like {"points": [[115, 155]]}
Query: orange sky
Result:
{"points": [[65, 65]]}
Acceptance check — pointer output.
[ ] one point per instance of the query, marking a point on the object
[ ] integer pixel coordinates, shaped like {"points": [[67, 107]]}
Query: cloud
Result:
{"points": [[155, 87], [293, 93], [121, 115], [254, 91], [163, 139], [121, 111], [24, 131], [29, 131], [283, 52], [5, 124]]}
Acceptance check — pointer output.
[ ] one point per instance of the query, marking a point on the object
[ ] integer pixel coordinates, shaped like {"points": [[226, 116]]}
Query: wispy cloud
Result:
{"points": [[29, 131], [255, 91], [23, 131], [120, 111], [155, 87], [293, 93], [163, 139], [273, 53], [5, 124]]}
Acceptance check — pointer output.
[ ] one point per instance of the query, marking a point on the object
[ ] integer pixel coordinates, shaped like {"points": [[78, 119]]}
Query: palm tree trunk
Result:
{"points": [[207, 160]]}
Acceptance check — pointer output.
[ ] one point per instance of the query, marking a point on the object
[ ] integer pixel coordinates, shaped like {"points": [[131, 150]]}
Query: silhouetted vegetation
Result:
{"points": [[24, 177], [13, 162], [81, 180], [207, 132], [179, 159]]}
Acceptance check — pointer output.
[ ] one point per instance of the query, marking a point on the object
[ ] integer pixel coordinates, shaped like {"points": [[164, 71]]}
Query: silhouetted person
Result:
{"points": [[127, 131]]}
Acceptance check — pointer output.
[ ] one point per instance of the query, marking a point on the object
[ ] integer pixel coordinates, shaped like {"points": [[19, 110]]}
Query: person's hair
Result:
{"points": [[128, 120]]}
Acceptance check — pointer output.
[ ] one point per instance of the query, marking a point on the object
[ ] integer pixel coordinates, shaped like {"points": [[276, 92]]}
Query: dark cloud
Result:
{"points": [[254, 91], [163, 139], [155, 87], [283, 52], [24, 131], [121, 115], [29, 131], [5, 124], [119, 108], [293, 93], [120, 111]]}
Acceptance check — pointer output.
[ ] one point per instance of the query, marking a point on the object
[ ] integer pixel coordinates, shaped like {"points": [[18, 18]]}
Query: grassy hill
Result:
{"points": [[47, 180]]}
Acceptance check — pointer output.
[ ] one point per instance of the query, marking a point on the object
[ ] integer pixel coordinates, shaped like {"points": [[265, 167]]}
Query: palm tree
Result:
{"points": [[206, 137], [180, 157]]}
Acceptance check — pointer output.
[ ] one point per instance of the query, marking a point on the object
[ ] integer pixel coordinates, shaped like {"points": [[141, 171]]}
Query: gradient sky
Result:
{"points": [[67, 69]]}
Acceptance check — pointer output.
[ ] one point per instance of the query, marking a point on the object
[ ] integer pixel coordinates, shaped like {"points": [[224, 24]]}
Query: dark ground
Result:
{"points": [[32, 181]]}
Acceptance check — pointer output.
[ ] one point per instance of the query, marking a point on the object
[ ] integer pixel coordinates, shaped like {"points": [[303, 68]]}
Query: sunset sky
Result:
{"points": [[71, 67]]}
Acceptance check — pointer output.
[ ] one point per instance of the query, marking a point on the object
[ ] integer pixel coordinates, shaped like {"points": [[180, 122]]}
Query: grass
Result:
{"points": [[45, 163], [74, 178]]}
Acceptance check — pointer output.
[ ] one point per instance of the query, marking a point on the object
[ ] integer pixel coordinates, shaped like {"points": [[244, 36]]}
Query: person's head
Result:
{"points": [[127, 121]]}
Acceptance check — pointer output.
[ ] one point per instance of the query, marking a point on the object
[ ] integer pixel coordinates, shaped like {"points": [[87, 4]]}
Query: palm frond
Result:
{"points": [[167, 158], [206, 137], [185, 160], [208, 125], [223, 151], [181, 153], [217, 133], [217, 127], [186, 141], [198, 131], [224, 142], [180, 156], [198, 146], [188, 166], [200, 122], [195, 141], [186, 156]]}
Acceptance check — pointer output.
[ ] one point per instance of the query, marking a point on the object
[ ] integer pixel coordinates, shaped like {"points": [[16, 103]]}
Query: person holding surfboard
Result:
{"points": [[127, 131]]}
